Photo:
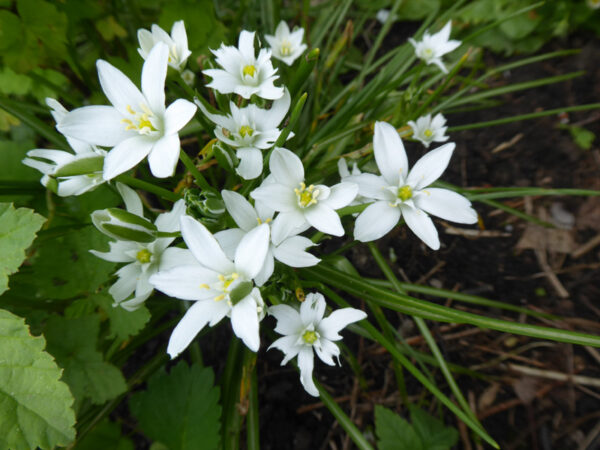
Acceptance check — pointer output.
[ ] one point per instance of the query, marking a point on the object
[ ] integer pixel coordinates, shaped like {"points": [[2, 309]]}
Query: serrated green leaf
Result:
{"points": [[36, 406], [73, 343], [180, 409], [433, 433], [106, 435], [395, 433], [123, 324], [17, 231]]}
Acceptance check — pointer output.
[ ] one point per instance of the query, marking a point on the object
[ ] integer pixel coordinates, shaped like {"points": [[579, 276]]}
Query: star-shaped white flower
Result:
{"points": [[137, 124], [143, 259], [219, 286], [243, 73], [177, 43], [290, 250], [250, 130], [300, 204], [428, 130], [83, 169], [399, 192], [286, 46], [307, 330], [433, 46]]}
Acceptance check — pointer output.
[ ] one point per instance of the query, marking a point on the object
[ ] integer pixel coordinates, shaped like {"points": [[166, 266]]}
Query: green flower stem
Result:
{"points": [[230, 388], [252, 418], [191, 167], [140, 184]]}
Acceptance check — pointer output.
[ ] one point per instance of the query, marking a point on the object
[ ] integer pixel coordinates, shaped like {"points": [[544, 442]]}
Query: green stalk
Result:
{"points": [[230, 387], [140, 184], [191, 167], [252, 418]]}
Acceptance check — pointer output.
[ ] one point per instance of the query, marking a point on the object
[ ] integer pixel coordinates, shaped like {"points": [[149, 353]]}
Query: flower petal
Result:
{"points": [[292, 252], [306, 364], [326, 351], [324, 219], [312, 309], [229, 240], [189, 326], [446, 204], [154, 73], [126, 155], [341, 195], [375, 221], [240, 209], [279, 109], [337, 320], [186, 282], [389, 153], [178, 114], [285, 224], [119, 89], [174, 257], [370, 186], [422, 225], [246, 44], [251, 163], [288, 319], [430, 167], [279, 197], [164, 156], [286, 167], [266, 271], [126, 283], [133, 203], [250, 254], [99, 125], [244, 321], [169, 221], [204, 246]]}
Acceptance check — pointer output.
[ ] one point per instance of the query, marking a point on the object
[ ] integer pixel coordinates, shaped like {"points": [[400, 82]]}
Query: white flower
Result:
{"points": [[307, 330], [220, 287], [133, 288], [286, 46], [177, 43], [399, 192], [428, 130], [137, 125], [188, 77], [433, 46], [86, 163], [243, 73], [250, 130], [289, 250], [300, 204], [383, 15]]}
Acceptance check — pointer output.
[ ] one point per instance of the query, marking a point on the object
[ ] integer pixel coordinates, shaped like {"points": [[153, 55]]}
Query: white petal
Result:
{"points": [[279, 197], [189, 326], [266, 271], [222, 81], [306, 363], [164, 156], [279, 109], [326, 351], [146, 42], [312, 309], [375, 221], [370, 186], [126, 283], [389, 153], [179, 35], [169, 221], [119, 89], [288, 319], [100, 125], [75, 185], [422, 225], [337, 320], [229, 240], [446, 204], [341, 195], [292, 252], [246, 44], [154, 74], [186, 282], [174, 257], [178, 114], [132, 200], [244, 321], [126, 155], [285, 224], [204, 246], [250, 254], [251, 163], [286, 167], [324, 219], [134, 303], [287, 344], [430, 167], [240, 209]]}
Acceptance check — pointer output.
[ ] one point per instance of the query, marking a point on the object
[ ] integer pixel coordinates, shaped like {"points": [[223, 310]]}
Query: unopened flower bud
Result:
{"points": [[123, 225]]}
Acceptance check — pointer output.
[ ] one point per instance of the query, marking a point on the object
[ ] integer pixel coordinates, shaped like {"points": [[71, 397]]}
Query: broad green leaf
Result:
{"points": [[73, 343], [395, 433], [106, 435], [433, 433], [17, 231], [11, 82], [10, 30], [181, 409], [12, 153], [36, 405], [122, 323]]}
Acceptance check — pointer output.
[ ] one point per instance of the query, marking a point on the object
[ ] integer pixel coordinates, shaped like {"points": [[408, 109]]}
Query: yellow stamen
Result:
{"points": [[260, 222], [404, 193], [249, 70], [310, 337], [428, 133], [245, 130], [286, 48], [218, 298], [204, 286], [307, 195], [144, 256]]}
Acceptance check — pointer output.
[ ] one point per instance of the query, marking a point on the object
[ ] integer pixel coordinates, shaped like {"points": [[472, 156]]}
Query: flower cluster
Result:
{"points": [[224, 269]]}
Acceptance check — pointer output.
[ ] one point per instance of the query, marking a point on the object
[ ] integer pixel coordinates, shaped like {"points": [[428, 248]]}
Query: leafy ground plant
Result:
{"points": [[216, 196]]}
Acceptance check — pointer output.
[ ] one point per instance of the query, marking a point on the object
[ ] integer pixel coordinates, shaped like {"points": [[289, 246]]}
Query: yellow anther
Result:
{"points": [[428, 133], [249, 70], [144, 124], [218, 298], [245, 130], [310, 337], [307, 195], [204, 286], [130, 110], [144, 256], [260, 222], [404, 193], [286, 48]]}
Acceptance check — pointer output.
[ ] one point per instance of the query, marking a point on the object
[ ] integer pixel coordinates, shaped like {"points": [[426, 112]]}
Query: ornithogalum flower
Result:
{"points": [[64, 172], [433, 46], [298, 203], [306, 330], [137, 125], [243, 73], [177, 43], [428, 130], [219, 286], [286, 46], [143, 259], [290, 250], [250, 130], [400, 192]]}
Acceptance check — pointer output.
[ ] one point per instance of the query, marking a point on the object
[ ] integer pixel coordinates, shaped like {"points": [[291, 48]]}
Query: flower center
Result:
{"points": [[286, 48], [428, 52], [310, 337], [249, 70], [141, 121], [260, 222], [245, 130], [428, 133], [405, 193], [225, 284], [307, 195], [144, 256]]}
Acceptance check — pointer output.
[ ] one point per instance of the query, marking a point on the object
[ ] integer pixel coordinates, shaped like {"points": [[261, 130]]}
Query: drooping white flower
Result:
{"points": [[177, 43], [428, 130], [143, 259], [290, 250], [137, 125], [83, 170], [286, 46], [243, 73], [433, 46], [400, 192], [300, 204], [219, 286], [250, 130], [307, 330]]}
